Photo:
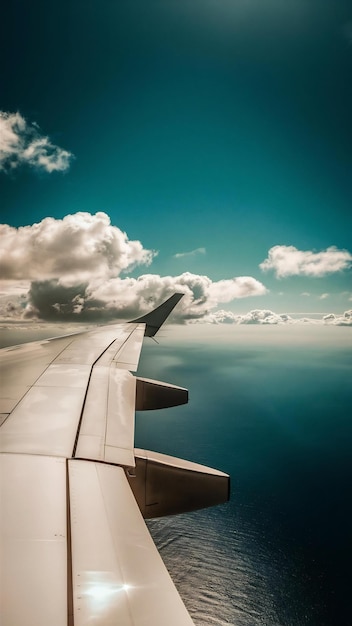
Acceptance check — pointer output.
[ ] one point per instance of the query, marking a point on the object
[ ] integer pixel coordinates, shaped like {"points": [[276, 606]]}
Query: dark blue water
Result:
{"points": [[275, 414]]}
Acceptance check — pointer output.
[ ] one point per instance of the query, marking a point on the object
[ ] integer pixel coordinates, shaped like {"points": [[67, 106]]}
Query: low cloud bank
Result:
{"points": [[265, 316], [339, 320], [22, 143], [257, 316]]}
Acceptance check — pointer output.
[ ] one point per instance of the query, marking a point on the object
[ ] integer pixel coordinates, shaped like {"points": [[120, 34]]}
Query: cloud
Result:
{"points": [[289, 261], [126, 298], [22, 143], [306, 294], [339, 320], [181, 255], [78, 248], [219, 317], [323, 296], [256, 316], [74, 268], [240, 287], [264, 316], [13, 288], [267, 317]]}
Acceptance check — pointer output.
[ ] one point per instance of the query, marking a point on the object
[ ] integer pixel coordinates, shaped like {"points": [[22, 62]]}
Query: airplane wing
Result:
{"points": [[74, 546]]}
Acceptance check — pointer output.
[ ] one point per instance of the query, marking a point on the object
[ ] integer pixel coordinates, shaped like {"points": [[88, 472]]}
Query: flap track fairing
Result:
{"points": [[153, 394], [165, 485]]}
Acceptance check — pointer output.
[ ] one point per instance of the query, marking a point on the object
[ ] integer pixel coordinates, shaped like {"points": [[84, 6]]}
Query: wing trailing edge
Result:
{"points": [[155, 319]]}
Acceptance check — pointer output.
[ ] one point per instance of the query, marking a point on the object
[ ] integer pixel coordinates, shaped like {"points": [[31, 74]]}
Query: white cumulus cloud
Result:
{"points": [[22, 143], [79, 248], [289, 261]]}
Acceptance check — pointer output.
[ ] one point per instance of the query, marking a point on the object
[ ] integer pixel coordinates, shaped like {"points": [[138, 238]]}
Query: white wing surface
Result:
{"points": [[117, 573], [47, 402], [74, 547]]}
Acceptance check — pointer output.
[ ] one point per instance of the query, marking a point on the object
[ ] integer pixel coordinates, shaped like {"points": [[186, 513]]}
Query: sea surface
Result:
{"points": [[272, 406]]}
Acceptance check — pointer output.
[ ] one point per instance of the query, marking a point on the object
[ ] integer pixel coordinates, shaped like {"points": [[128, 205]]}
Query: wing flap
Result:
{"points": [[21, 366], [117, 573], [44, 422], [107, 428]]}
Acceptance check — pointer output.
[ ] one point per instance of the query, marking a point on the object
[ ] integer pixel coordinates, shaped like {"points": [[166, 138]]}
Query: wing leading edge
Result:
{"points": [[73, 542]]}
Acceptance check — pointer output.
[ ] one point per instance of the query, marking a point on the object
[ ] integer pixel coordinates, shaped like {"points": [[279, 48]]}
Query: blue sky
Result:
{"points": [[221, 129]]}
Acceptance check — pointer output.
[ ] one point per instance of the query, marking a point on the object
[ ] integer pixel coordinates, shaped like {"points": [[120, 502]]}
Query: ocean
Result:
{"points": [[272, 407]]}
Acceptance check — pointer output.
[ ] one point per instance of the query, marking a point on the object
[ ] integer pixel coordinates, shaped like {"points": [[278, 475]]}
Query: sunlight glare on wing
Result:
{"points": [[102, 591]]}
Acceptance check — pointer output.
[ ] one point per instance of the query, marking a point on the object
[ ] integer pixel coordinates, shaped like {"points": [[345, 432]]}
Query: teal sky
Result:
{"points": [[223, 125]]}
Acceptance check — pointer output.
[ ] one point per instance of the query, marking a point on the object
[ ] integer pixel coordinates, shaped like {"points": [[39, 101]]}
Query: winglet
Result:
{"points": [[157, 317]]}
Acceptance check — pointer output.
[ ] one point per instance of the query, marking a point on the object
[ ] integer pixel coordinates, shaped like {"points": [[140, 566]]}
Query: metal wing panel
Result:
{"points": [[44, 422], [43, 409], [128, 358], [126, 355], [46, 419], [21, 366], [121, 414], [33, 541], [89, 347], [117, 573], [107, 428]]}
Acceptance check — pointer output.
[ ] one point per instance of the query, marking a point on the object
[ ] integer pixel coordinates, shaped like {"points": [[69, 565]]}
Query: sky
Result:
{"points": [[201, 146]]}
